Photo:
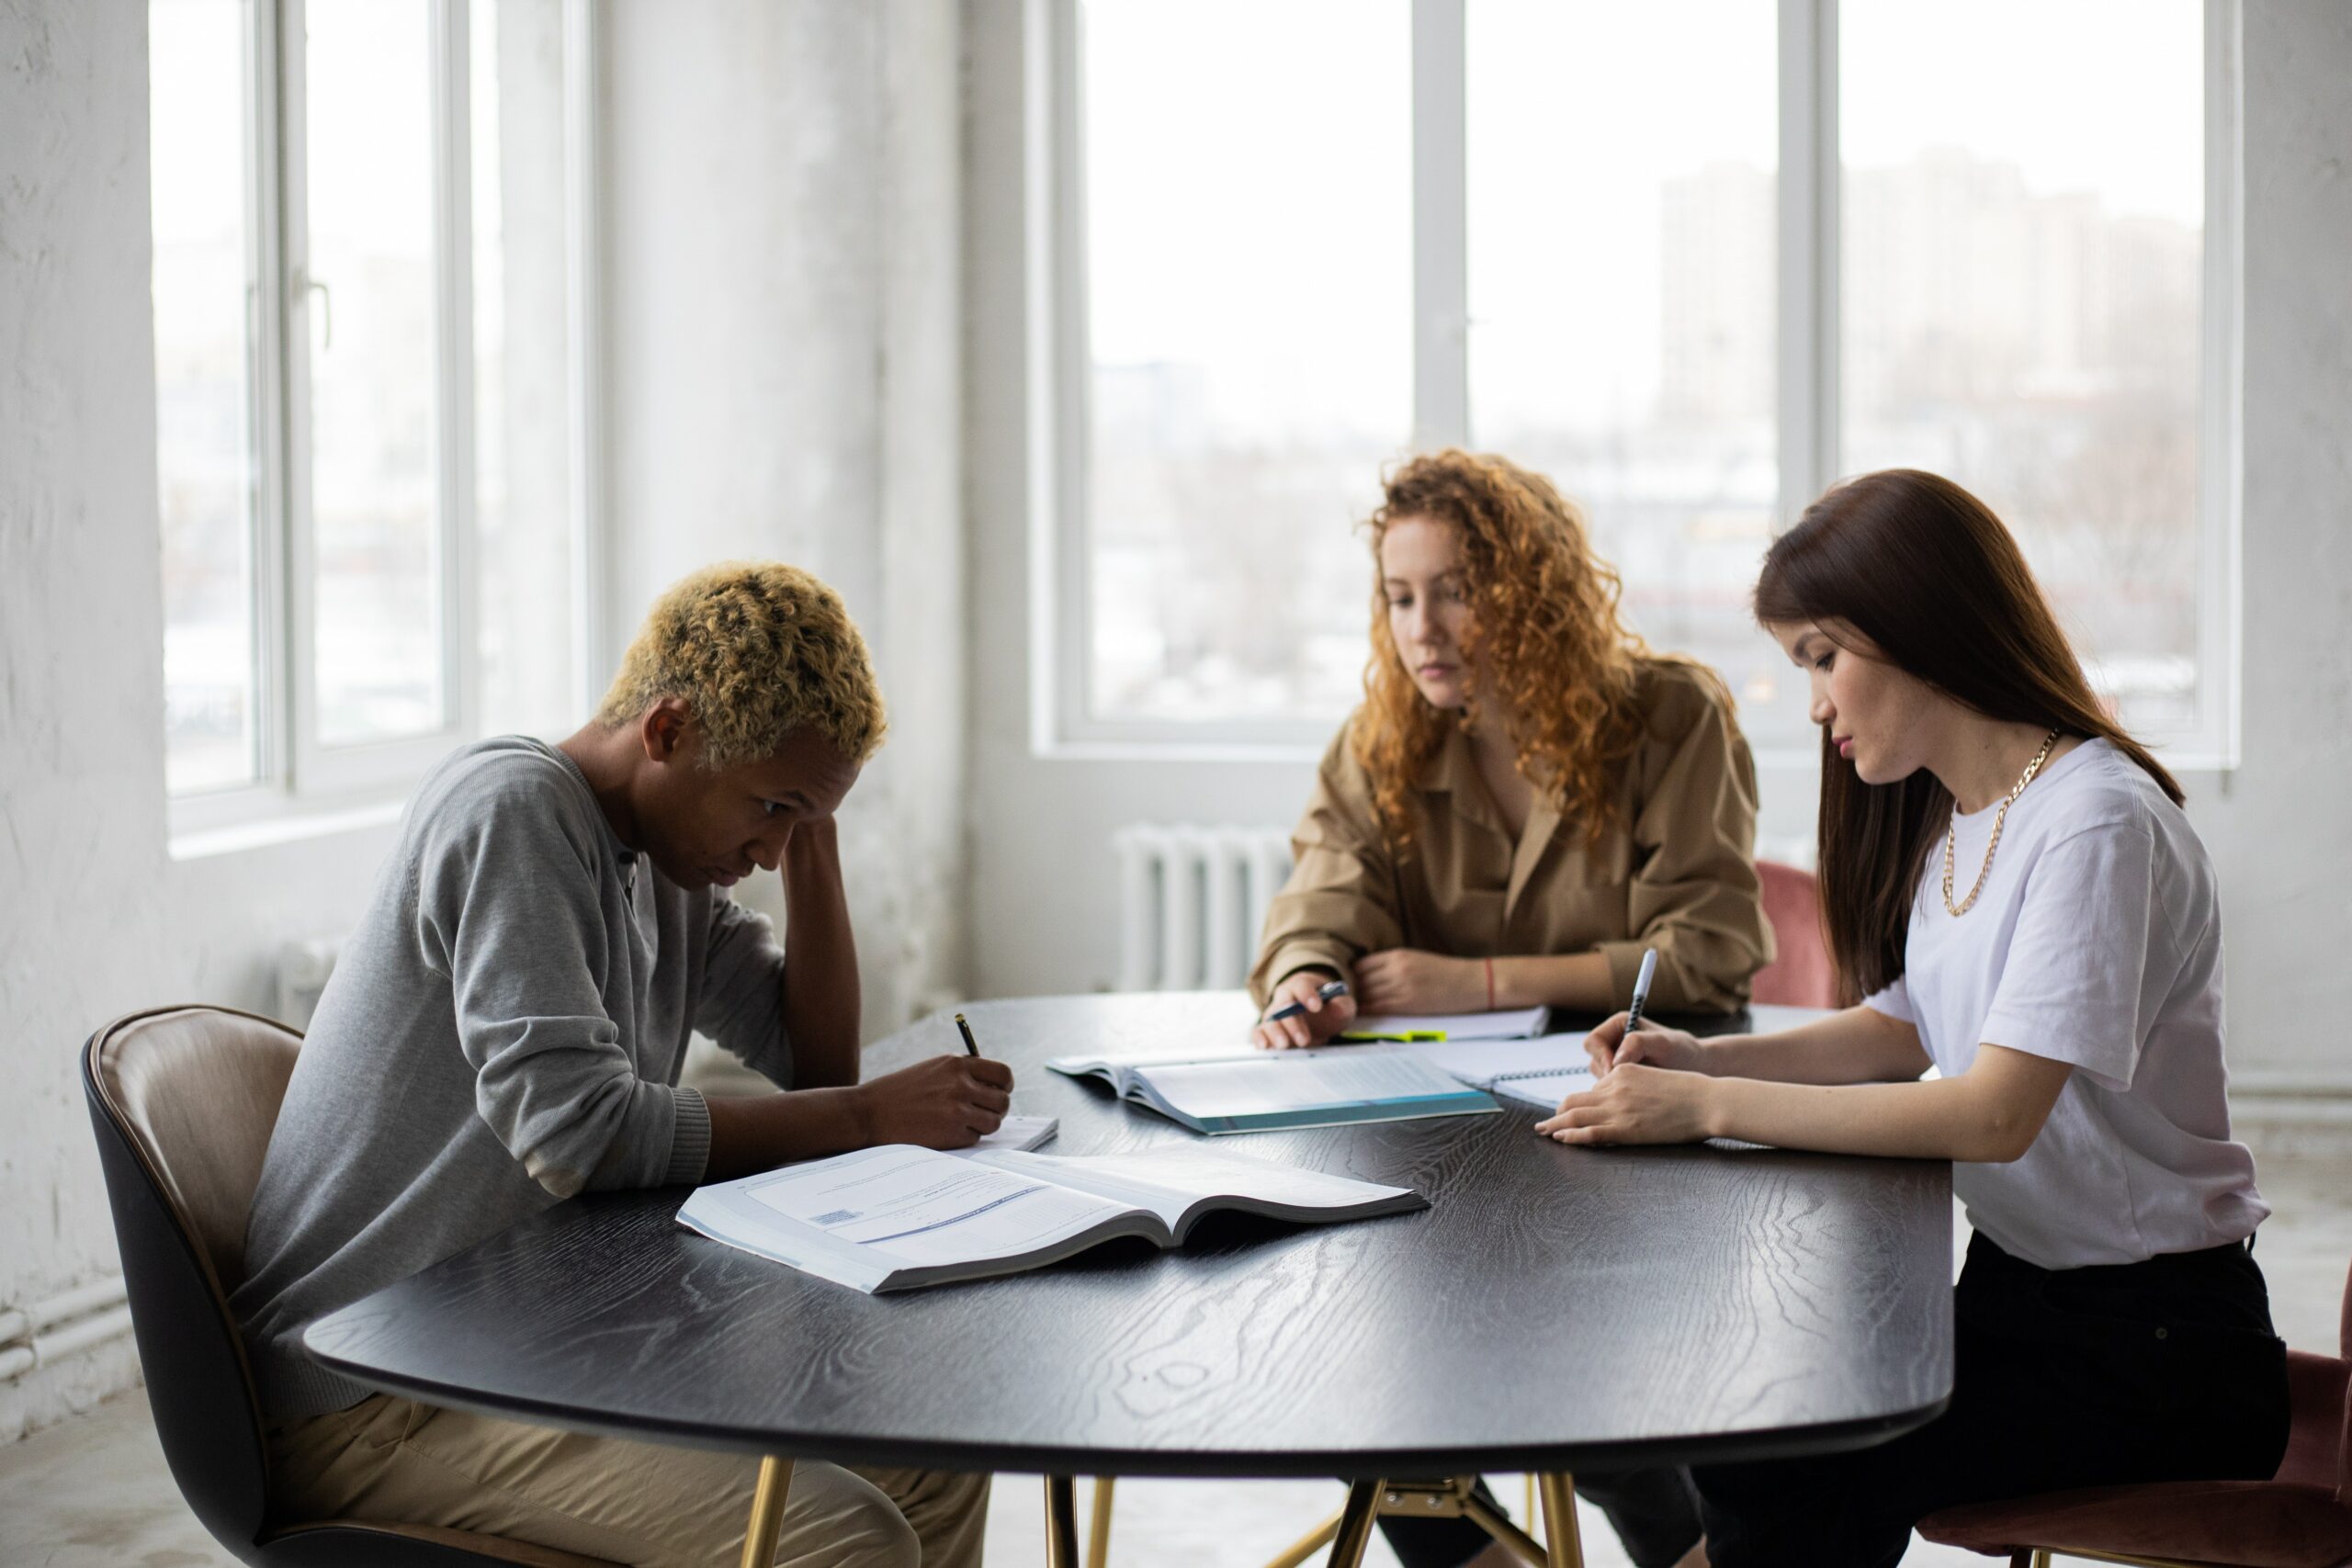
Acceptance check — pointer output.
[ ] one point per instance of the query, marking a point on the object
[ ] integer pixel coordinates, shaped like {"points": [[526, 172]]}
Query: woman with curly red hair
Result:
{"points": [[1528, 797], [1526, 801]]}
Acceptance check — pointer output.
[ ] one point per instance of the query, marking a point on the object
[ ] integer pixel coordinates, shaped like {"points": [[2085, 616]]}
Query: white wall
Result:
{"points": [[95, 918], [2281, 827], [1043, 892], [783, 248]]}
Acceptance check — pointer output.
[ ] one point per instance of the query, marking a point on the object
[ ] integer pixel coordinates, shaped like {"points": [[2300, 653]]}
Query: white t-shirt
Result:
{"points": [[2096, 942]]}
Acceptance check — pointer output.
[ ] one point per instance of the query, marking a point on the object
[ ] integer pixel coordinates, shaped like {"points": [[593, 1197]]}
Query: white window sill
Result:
{"points": [[293, 825]]}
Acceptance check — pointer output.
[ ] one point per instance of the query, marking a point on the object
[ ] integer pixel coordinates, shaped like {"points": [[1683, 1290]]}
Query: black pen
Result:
{"points": [[971, 1046], [1327, 992]]}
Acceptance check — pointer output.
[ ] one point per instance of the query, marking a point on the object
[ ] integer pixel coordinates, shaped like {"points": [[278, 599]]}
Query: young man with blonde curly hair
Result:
{"points": [[505, 1028]]}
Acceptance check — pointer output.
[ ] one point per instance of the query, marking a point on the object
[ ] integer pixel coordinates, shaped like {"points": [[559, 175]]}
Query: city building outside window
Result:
{"points": [[1559, 231]]}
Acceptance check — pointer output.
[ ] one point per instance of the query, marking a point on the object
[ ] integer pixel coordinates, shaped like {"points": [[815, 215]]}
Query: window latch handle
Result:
{"points": [[304, 287]]}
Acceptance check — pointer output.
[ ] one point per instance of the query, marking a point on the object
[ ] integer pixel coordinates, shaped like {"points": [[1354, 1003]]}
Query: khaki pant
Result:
{"points": [[404, 1463]]}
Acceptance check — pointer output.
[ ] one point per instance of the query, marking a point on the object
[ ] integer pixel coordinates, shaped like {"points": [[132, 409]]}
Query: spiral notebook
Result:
{"points": [[1532, 1072], [1544, 1090]]}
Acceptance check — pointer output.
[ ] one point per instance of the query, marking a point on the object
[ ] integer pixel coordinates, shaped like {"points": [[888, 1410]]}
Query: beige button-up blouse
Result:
{"points": [[1674, 871]]}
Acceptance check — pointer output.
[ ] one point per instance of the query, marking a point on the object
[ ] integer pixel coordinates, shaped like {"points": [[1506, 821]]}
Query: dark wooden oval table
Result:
{"points": [[1554, 1309]]}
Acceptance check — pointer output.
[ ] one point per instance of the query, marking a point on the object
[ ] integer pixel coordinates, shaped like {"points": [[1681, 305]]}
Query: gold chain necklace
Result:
{"points": [[1951, 834]]}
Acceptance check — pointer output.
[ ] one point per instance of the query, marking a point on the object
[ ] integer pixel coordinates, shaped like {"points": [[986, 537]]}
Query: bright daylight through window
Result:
{"points": [[2021, 309], [362, 357], [1251, 313]]}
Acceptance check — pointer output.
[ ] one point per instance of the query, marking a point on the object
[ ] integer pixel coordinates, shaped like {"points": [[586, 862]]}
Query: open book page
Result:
{"points": [[1516, 1024], [857, 1218], [1272, 1083], [1175, 1181], [1121, 1070]]}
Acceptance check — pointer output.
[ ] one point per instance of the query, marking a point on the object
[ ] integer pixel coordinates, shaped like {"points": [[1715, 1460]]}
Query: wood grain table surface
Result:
{"points": [[1553, 1308]]}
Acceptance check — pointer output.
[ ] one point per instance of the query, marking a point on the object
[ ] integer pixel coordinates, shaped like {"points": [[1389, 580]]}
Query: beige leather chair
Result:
{"points": [[183, 1100]]}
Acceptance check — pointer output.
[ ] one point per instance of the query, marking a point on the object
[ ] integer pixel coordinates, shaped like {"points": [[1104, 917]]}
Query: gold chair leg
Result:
{"points": [[1354, 1532], [1497, 1523], [1061, 1522], [1531, 1514], [1559, 1489], [767, 1512], [2041, 1557], [1098, 1525], [1307, 1545]]}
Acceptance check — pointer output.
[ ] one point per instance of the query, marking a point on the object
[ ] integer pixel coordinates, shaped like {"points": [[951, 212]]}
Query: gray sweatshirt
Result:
{"points": [[504, 1029]]}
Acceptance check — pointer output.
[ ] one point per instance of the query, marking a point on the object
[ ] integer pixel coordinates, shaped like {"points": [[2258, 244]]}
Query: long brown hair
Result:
{"points": [[1544, 623], [1928, 576]]}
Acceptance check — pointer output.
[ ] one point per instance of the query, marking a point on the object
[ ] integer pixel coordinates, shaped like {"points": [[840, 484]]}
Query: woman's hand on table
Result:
{"points": [[1405, 979], [1636, 1104], [1609, 1046], [1321, 1019]]}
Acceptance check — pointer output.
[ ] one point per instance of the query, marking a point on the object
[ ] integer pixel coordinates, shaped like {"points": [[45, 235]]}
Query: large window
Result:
{"points": [[1306, 238], [2022, 291], [365, 264], [1250, 316]]}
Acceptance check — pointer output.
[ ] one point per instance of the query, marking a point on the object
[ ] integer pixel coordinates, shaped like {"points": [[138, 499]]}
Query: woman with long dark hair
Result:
{"points": [[2014, 895]]}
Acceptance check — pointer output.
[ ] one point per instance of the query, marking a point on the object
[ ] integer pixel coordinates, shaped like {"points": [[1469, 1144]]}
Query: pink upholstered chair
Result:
{"points": [[2299, 1519], [1801, 975]]}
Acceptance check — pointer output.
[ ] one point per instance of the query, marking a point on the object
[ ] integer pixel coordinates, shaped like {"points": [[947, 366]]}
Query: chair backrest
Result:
{"points": [[1800, 974], [183, 1102]]}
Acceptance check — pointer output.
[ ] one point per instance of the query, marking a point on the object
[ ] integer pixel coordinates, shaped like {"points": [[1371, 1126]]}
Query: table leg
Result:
{"points": [[1098, 1525], [767, 1512], [1355, 1524], [1559, 1490], [1061, 1522]]}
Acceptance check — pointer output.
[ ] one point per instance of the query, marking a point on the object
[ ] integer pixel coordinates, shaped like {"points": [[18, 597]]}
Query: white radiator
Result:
{"points": [[1192, 902]]}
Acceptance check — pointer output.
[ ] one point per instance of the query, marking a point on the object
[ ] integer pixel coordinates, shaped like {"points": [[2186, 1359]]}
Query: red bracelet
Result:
{"points": [[1490, 985]]}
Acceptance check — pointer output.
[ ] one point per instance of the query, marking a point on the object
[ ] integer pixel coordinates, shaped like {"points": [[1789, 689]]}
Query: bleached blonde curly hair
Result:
{"points": [[757, 649]]}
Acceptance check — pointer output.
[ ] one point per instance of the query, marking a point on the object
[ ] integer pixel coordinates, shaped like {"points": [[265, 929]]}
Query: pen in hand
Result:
{"points": [[1331, 991], [1642, 989], [971, 1046]]}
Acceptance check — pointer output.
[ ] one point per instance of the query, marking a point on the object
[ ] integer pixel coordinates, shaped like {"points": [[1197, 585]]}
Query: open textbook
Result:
{"points": [[898, 1216], [1236, 1087], [1248, 1091]]}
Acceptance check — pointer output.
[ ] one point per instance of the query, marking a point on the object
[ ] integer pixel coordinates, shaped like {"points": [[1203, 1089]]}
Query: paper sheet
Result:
{"points": [[1508, 1026], [908, 1204]]}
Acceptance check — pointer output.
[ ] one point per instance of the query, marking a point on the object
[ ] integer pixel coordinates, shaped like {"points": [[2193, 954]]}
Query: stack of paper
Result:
{"points": [[1518, 1024]]}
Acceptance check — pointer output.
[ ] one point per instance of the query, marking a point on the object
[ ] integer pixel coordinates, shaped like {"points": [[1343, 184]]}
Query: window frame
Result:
{"points": [[1808, 308], [297, 780]]}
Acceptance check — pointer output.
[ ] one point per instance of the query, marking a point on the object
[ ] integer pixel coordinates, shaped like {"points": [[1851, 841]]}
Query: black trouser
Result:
{"points": [[2122, 1373], [1655, 1513]]}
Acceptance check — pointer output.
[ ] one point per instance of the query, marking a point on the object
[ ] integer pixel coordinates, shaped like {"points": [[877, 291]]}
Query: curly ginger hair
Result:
{"points": [[1544, 625]]}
